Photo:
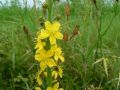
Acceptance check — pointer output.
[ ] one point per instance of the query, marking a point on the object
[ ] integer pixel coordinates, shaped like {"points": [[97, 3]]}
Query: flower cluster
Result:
{"points": [[49, 55]]}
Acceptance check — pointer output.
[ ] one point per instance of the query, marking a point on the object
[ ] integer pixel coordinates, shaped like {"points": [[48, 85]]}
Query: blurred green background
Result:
{"points": [[99, 37]]}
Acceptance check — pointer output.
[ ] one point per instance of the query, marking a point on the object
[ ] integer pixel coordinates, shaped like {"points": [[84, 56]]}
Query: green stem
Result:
{"points": [[49, 77], [49, 72], [50, 3]]}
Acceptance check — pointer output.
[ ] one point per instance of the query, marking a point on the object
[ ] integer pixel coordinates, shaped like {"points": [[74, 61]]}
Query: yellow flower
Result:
{"points": [[38, 88], [43, 54], [39, 81], [52, 31], [57, 53], [44, 57], [38, 78], [40, 45], [55, 87], [48, 62], [57, 72]]}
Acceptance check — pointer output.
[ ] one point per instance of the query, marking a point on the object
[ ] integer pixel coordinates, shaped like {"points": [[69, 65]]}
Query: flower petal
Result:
{"points": [[39, 81], [56, 26], [44, 34], [58, 35], [49, 53], [40, 45], [38, 88], [61, 89], [48, 25], [37, 57], [52, 39], [43, 65], [56, 57], [50, 63], [61, 58], [49, 88], [56, 86]]}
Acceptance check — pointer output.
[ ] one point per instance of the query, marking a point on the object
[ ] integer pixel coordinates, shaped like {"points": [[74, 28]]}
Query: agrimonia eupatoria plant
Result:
{"points": [[50, 57]]}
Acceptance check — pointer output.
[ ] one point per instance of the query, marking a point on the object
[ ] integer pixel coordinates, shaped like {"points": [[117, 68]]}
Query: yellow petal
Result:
{"points": [[60, 74], [49, 53], [39, 81], [43, 65], [38, 88], [55, 57], [61, 58], [48, 25], [40, 54], [44, 34], [50, 63], [54, 74], [56, 86], [50, 88], [40, 45], [61, 89], [37, 57], [60, 71], [52, 39], [59, 35], [56, 26]]}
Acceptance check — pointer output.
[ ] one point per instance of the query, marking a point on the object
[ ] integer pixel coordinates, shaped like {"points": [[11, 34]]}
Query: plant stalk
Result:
{"points": [[49, 72]]}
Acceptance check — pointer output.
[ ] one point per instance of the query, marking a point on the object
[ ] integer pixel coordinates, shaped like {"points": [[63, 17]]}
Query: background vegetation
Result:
{"points": [[99, 37]]}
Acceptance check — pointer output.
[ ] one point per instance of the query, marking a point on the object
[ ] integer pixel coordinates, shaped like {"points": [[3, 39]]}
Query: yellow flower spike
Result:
{"points": [[51, 31], [49, 58], [55, 87]]}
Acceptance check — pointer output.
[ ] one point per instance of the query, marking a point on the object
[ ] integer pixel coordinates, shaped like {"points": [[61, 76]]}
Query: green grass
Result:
{"points": [[17, 64]]}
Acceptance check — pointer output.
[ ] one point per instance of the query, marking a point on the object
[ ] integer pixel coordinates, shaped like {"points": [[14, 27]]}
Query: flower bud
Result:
{"points": [[65, 37], [67, 9], [76, 30], [25, 30], [44, 8], [41, 20], [58, 17], [45, 5]]}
